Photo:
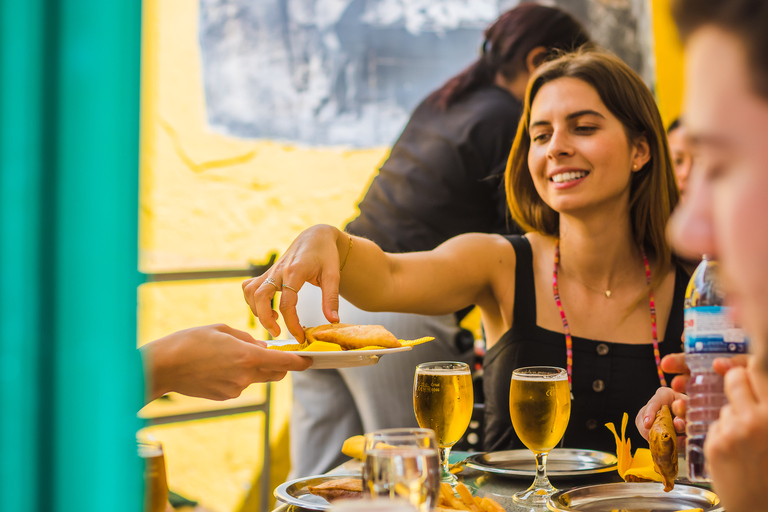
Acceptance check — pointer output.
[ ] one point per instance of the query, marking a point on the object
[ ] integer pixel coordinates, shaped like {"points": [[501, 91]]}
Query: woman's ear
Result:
{"points": [[534, 58], [642, 153]]}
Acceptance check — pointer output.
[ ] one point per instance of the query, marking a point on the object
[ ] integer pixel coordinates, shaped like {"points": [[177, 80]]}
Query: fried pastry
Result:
{"points": [[352, 337], [663, 442], [343, 488]]}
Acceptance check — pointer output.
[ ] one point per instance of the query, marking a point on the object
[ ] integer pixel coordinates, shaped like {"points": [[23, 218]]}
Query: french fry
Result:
{"points": [[466, 497], [491, 506], [448, 502], [446, 492]]}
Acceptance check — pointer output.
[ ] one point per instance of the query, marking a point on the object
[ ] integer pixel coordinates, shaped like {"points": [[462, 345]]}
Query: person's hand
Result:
{"points": [[736, 449], [214, 361], [677, 402], [313, 257], [675, 363], [675, 397]]}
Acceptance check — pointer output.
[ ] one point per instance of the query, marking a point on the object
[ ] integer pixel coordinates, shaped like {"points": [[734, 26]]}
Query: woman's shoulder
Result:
{"points": [[485, 245]]}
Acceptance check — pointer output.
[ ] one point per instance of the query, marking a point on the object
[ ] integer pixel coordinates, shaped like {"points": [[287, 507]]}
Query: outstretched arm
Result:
{"points": [[454, 275]]}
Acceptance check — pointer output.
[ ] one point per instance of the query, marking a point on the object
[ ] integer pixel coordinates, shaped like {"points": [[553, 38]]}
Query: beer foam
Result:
{"points": [[444, 371], [541, 378]]}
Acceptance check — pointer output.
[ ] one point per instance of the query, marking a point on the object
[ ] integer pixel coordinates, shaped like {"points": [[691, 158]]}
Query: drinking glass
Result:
{"points": [[442, 401], [402, 463], [155, 483], [540, 407]]}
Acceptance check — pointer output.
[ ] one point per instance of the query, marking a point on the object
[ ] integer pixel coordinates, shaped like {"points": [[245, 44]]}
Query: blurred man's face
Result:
{"points": [[726, 211]]}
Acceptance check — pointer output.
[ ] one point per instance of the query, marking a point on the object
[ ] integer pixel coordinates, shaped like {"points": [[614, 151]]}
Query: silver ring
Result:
{"points": [[290, 288], [271, 281]]}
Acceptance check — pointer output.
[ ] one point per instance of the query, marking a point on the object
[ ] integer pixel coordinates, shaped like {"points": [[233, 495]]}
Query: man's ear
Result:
{"points": [[642, 153], [534, 58]]}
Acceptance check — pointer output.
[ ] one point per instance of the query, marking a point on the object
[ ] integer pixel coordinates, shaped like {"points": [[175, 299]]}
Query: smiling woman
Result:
{"points": [[590, 178]]}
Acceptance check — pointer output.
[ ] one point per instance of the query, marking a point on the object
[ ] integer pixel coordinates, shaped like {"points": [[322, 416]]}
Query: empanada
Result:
{"points": [[338, 489], [352, 337], [663, 442]]}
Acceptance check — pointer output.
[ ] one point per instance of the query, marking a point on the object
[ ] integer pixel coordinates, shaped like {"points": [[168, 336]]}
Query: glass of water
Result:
{"points": [[403, 463]]}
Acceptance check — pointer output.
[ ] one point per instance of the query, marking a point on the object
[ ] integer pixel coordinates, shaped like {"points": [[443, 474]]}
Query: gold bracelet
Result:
{"points": [[348, 251]]}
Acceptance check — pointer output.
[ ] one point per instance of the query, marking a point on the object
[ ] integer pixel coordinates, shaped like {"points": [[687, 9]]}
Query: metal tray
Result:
{"points": [[296, 492], [634, 497], [560, 462]]}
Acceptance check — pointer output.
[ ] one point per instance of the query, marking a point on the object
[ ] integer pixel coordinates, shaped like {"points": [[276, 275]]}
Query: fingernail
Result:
{"points": [[647, 421], [335, 316]]}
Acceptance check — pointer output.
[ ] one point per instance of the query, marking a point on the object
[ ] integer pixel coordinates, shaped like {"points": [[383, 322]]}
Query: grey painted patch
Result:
{"points": [[349, 72]]}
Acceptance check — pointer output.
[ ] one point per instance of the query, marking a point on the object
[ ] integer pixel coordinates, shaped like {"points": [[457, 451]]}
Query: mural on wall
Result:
{"points": [[349, 72]]}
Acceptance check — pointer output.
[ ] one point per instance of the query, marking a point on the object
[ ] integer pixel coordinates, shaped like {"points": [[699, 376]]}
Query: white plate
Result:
{"points": [[296, 492], [344, 358]]}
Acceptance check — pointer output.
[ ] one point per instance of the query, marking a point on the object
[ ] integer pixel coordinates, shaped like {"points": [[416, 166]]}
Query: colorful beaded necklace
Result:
{"points": [[569, 340]]}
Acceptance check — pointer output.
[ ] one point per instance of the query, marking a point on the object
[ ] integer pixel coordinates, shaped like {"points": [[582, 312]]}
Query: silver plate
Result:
{"points": [[632, 497], [296, 492], [560, 462]]}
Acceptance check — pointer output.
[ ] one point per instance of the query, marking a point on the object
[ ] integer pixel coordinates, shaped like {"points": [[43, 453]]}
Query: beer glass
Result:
{"points": [[155, 483], [540, 406], [442, 401], [402, 464]]}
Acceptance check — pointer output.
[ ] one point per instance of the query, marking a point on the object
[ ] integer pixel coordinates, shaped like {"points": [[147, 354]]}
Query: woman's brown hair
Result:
{"points": [[653, 191]]}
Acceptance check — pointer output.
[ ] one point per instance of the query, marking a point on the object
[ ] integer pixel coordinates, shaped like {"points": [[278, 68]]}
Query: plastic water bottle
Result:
{"points": [[709, 333]]}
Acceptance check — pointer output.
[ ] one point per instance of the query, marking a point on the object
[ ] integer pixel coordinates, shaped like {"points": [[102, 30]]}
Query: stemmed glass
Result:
{"points": [[402, 463], [442, 401], [540, 407]]}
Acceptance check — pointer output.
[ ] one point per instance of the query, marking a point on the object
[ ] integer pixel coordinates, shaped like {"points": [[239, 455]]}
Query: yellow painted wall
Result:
{"points": [[668, 53], [210, 201]]}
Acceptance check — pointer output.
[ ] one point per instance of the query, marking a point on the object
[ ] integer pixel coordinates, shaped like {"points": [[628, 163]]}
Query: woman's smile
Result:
{"points": [[567, 178]]}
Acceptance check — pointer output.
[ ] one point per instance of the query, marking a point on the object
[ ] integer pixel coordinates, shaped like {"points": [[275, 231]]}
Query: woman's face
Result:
{"points": [[580, 157], [682, 158], [726, 210]]}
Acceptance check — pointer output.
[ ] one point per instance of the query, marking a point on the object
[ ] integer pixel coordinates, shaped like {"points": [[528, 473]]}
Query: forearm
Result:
{"points": [[430, 283], [153, 362]]}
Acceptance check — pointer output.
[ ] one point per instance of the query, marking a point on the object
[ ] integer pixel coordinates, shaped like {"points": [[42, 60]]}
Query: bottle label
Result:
{"points": [[709, 330]]}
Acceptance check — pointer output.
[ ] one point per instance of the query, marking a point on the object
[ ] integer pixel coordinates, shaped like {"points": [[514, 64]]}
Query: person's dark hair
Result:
{"points": [[653, 190], [508, 41], [745, 19], [674, 125]]}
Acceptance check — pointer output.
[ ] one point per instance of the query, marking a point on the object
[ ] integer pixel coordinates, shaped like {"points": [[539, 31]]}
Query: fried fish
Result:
{"points": [[343, 488], [352, 337], [663, 443]]}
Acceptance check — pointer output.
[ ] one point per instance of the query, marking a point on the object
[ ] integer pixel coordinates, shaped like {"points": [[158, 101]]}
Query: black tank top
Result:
{"points": [[608, 378]]}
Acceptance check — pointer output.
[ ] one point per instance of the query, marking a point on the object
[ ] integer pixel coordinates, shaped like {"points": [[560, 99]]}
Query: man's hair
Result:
{"points": [[745, 19], [653, 190]]}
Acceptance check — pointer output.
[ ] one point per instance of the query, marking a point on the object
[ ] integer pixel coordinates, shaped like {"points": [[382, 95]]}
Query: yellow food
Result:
{"points": [[354, 447], [632, 468], [662, 439], [448, 501], [323, 346], [356, 336], [338, 337]]}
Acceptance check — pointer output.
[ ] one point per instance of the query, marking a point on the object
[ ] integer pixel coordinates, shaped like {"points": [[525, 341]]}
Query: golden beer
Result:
{"points": [[442, 401], [155, 483], [540, 408]]}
